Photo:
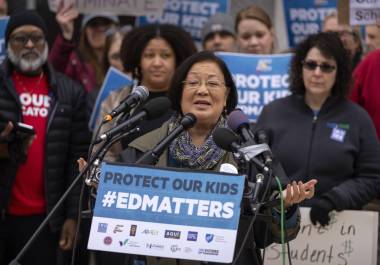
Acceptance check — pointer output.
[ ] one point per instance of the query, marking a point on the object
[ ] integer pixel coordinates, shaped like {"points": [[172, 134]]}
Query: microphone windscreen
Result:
{"points": [[142, 92], [224, 138], [188, 120], [228, 168], [236, 119], [157, 107]]}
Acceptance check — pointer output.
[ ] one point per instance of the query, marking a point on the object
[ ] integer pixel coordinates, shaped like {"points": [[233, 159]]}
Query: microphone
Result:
{"points": [[239, 123], [263, 137], [151, 110], [228, 168], [151, 157], [226, 139], [138, 95], [229, 141]]}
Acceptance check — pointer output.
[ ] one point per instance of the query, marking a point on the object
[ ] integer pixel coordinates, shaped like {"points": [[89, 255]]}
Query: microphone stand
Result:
{"points": [[255, 202], [99, 154]]}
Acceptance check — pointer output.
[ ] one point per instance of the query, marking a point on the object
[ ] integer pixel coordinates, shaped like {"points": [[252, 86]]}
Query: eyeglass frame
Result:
{"points": [[202, 81], [312, 65], [29, 36]]}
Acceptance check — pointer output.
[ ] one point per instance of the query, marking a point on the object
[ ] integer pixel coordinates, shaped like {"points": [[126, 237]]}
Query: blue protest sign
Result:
{"points": [[305, 17], [114, 80], [190, 15], [260, 79], [157, 208], [3, 26]]}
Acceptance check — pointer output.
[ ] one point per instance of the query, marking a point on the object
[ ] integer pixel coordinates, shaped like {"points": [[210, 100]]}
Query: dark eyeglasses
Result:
{"points": [[23, 38], [311, 65]]}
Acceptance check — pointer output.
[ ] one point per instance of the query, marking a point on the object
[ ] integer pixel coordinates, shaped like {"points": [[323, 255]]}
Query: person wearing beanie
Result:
{"points": [[83, 62], [37, 163], [218, 34]]}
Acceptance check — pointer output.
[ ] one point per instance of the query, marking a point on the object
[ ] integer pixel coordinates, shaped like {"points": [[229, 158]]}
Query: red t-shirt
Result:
{"points": [[28, 191]]}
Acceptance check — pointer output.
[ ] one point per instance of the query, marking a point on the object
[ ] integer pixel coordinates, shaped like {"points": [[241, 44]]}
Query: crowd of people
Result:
{"points": [[324, 136]]}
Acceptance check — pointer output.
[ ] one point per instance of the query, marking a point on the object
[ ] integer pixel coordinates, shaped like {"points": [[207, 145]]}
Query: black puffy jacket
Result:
{"points": [[67, 139]]}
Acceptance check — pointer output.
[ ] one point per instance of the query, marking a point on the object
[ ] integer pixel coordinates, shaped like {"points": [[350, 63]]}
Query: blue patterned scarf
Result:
{"points": [[185, 153]]}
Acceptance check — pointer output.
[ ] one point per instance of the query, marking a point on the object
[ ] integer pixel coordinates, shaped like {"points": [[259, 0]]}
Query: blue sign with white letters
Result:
{"points": [[260, 79], [305, 17], [3, 26], [190, 15], [203, 199], [113, 81]]}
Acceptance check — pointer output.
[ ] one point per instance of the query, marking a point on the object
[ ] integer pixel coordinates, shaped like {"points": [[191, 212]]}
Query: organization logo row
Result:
{"points": [[111, 232]]}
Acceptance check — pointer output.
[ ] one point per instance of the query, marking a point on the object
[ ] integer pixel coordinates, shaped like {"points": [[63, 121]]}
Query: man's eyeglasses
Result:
{"points": [[311, 65], [22, 39], [210, 84]]}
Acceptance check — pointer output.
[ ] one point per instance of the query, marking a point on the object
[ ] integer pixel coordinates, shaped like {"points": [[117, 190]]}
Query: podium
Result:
{"points": [[172, 213]]}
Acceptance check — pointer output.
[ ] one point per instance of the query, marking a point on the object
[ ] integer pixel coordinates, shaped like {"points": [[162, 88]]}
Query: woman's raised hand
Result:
{"points": [[65, 17]]}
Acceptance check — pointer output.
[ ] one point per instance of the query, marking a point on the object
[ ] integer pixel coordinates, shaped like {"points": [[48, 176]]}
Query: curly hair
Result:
{"points": [[330, 46], [137, 39], [176, 86]]}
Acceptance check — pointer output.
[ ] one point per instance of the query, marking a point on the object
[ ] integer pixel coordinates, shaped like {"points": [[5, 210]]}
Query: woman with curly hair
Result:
{"points": [[151, 54]]}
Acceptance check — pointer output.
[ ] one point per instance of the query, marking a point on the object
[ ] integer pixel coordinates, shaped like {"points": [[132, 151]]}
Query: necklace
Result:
{"points": [[22, 85]]}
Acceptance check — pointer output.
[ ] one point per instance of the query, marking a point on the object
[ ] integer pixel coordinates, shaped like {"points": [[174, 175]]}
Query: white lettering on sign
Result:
{"points": [[261, 81]]}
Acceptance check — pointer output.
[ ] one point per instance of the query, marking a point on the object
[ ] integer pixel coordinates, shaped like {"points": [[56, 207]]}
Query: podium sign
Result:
{"points": [[167, 213]]}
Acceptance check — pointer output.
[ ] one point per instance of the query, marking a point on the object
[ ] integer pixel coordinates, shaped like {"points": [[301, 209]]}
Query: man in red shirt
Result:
{"points": [[36, 169]]}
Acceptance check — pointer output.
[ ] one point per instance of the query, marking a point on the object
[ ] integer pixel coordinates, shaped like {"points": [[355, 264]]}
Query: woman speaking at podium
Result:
{"points": [[202, 85]]}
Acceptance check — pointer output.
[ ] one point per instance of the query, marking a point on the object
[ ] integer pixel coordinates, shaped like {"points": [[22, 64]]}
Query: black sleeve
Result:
{"points": [[78, 145]]}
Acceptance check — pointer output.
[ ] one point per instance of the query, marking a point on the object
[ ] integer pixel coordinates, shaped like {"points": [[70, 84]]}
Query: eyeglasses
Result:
{"points": [[22, 39], [311, 65], [210, 84]]}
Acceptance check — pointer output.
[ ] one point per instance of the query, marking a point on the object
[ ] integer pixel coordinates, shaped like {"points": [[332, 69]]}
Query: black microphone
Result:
{"points": [[263, 137], [151, 157], [239, 123], [226, 139], [138, 95], [229, 141], [151, 110]]}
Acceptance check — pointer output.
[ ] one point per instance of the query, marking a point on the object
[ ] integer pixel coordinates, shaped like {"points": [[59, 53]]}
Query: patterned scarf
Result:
{"points": [[184, 152]]}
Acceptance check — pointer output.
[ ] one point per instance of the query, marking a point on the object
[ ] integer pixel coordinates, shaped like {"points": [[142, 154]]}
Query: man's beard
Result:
{"points": [[28, 65]]}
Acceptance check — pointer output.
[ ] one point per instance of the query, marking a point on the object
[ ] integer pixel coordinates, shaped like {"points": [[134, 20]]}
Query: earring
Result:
{"points": [[136, 73]]}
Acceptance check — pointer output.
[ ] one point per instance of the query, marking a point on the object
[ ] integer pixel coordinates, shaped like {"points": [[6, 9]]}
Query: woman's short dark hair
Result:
{"points": [[137, 39], [176, 86], [331, 47]]}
